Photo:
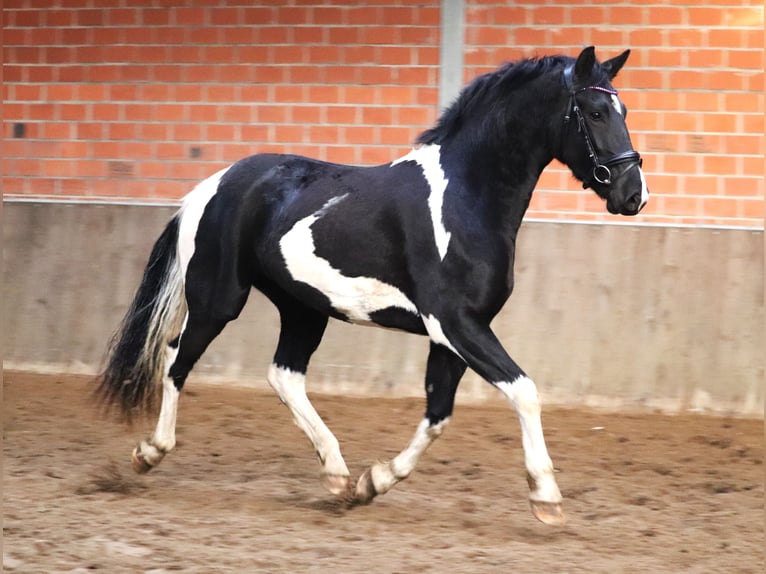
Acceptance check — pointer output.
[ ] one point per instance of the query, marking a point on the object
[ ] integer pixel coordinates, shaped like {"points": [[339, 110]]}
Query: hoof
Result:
{"points": [[365, 489], [549, 513], [138, 462], [334, 483], [145, 457]]}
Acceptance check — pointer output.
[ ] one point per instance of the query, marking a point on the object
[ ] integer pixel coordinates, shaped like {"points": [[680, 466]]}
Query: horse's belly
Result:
{"points": [[361, 300]]}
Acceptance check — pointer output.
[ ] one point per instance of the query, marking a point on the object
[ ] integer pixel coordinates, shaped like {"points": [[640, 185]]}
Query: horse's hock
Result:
{"points": [[604, 315]]}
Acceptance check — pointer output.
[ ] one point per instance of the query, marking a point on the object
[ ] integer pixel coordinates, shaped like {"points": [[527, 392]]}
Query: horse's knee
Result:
{"points": [[523, 395]]}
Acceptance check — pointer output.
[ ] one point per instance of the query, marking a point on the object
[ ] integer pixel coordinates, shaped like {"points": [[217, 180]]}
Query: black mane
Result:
{"points": [[487, 91]]}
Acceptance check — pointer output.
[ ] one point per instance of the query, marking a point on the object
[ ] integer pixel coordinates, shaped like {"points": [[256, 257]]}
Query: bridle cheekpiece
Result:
{"points": [[601, 172]]}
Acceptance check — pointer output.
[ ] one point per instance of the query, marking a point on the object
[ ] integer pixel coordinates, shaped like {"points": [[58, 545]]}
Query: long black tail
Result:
{"points": [[135, 362]]}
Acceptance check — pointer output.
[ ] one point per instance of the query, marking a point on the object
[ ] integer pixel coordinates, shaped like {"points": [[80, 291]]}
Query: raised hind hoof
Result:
{"points": [[334, 483], [549, 513], [365, 489], [145, 457], [138, 462]]}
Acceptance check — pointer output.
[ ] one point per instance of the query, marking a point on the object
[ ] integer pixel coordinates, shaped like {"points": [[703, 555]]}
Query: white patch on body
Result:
{"points": [[355, 297], [291, 388], [617, 104], [386, 475], [436, 334], [429, 159], [192, 208], [522, 394]]}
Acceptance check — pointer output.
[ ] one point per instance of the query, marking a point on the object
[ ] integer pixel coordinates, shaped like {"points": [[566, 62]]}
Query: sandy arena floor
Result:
{"points": [[643, 493]]}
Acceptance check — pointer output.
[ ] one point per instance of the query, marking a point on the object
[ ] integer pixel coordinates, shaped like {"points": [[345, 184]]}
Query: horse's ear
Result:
{"points": [[584, 64], [615, 64]]}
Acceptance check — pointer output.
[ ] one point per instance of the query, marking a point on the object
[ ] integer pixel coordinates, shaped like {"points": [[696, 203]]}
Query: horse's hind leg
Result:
{"points": [[196, 334], [443, 374], [302, 330]]}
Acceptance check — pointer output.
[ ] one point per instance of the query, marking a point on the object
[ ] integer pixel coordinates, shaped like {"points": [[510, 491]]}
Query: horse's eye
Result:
{"points": [[595, 115]]}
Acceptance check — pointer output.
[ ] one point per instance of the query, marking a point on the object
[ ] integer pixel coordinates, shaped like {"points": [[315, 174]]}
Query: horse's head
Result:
{"points": [[595, 140]]}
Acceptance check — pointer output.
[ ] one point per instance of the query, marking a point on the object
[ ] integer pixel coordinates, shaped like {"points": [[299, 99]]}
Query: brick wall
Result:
{"points": [[138, 101]]}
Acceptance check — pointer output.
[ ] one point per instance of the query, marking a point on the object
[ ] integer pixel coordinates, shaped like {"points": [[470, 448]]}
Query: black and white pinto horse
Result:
{"points": [[424, 244]]}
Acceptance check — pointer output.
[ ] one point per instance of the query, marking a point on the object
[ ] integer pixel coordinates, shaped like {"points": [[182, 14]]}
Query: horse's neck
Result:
{"points": [[502, 179]]}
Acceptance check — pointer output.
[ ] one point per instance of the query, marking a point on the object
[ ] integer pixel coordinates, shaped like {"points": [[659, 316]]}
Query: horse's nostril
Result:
{"points": [[633, 203]]}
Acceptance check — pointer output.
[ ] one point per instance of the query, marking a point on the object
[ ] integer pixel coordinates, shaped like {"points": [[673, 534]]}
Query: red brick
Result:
{"points": [[510, 15], [272, 113], [705, 16], [359, 55], [219, 93], [59, 18], [25, 18], [666, 16], [418, 35], [357, 135], [745, 59], [743, 144], [272, 35], [221, 132], [341, 74], [702, 101], [291, 134], [343, 115], [324, 134], [427, 16], [719, 165], [255, 133], [489, 35], [105, 112], [323, 54], [190, 16], [719, 207], [753, 208], [391, 135], [170, 151], [328, 15], [121, 16], [70, 111], [339, 35], [377, 115], [378, 35], [416, 116], [378, 155], [557, 15], [293, 15], [324, 94], [23, 92]]}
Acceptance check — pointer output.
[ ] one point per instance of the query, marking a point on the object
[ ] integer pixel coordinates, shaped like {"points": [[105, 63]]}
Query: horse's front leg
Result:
{"points": [[474, 341], [443, 374]]}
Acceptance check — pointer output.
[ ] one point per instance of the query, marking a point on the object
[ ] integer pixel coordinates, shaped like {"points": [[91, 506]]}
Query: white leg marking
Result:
{"points": [[436, 334], [291, 388], [428, 157], [386, 475], [149, 453], [192, 208], [164, 437], [523, 396], [355, 297]]}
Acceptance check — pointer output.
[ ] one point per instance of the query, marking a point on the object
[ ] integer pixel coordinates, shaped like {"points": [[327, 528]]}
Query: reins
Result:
{"points": [[601, 171]]}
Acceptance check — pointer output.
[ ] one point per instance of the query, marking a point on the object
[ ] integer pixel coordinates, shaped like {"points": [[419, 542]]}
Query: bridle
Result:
{"points": [[601, 172]]}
